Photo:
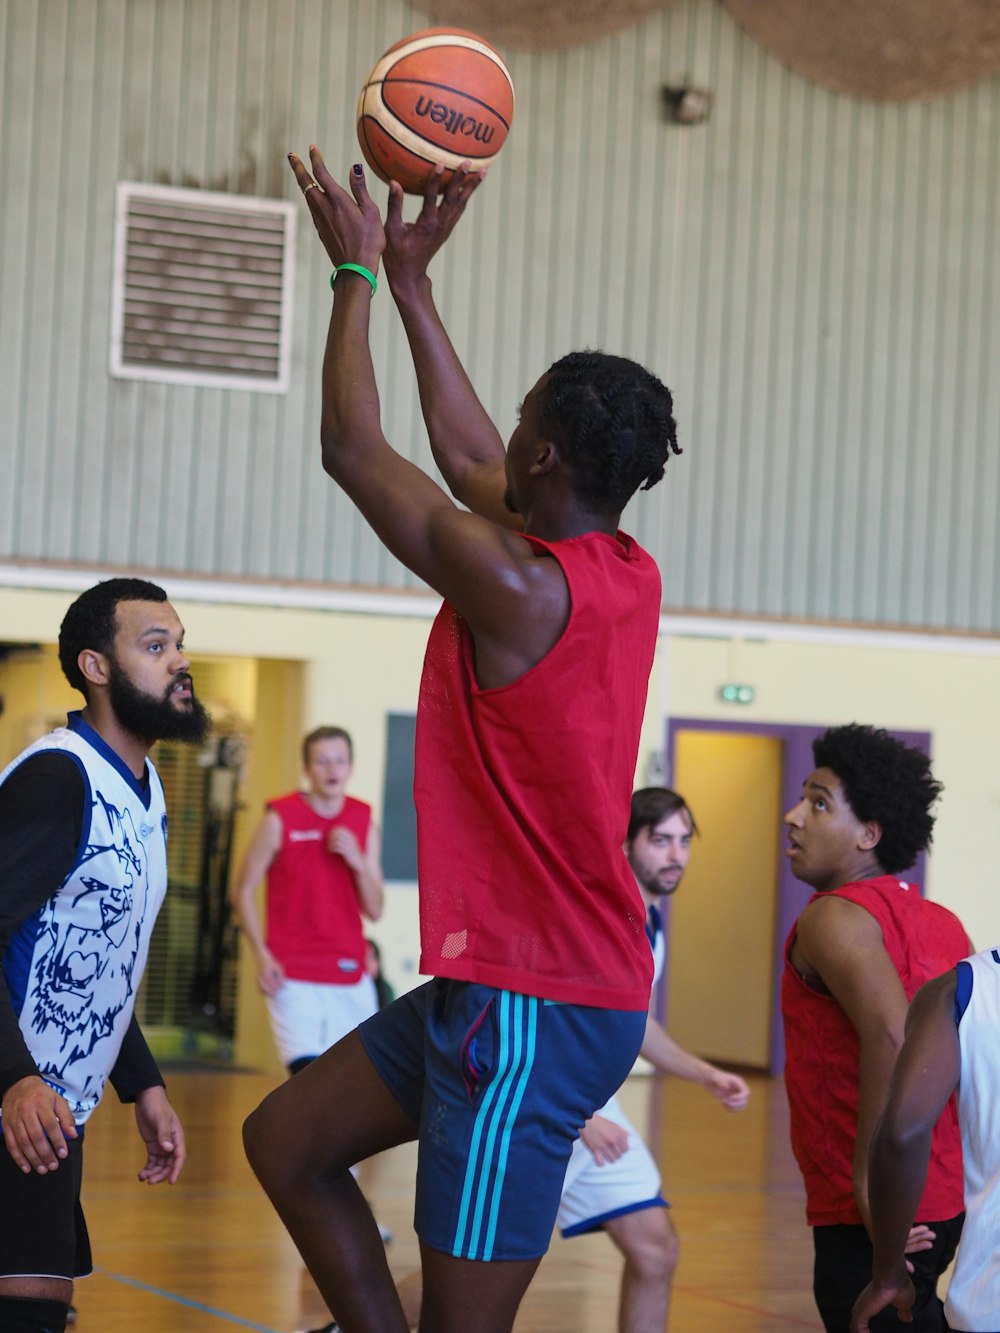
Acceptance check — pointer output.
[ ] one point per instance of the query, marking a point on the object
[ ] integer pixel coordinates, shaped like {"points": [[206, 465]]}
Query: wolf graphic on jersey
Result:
{"points": [[84, 969], [72, 969]]}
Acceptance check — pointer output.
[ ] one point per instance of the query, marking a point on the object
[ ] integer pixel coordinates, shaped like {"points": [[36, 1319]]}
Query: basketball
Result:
{"points": [[441, 95]]}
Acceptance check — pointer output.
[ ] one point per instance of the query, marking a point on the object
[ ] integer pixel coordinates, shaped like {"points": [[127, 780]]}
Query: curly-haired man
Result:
{"points": [[863, 945]]}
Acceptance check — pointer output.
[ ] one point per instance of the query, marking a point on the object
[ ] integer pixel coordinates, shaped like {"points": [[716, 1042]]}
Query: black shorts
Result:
{"points": [[843, 1269], [49, 1238]]}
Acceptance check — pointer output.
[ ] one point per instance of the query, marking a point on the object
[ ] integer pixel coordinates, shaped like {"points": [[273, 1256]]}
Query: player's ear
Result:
{"points": [[871, 835], [545, 458], [93, 667]]}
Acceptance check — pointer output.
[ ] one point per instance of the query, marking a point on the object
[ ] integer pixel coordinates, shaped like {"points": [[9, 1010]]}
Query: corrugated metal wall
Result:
{"points": [[815, 277]]}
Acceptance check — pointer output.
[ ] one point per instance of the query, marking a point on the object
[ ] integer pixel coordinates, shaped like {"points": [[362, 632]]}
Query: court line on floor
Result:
{"points": [[185, 1301]]}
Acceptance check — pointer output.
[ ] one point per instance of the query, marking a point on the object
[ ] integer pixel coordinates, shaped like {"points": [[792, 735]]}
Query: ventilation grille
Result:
{"points": [[202, 288]]}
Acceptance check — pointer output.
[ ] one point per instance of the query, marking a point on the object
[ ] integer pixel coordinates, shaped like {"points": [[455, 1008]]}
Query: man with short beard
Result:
{"points": [[83, 857]]}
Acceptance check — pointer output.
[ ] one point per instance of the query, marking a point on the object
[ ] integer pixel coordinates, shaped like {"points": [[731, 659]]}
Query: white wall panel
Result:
{"points": [[815, 277]]}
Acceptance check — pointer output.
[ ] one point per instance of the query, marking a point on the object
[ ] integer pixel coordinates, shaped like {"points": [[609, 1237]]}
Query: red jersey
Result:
{"points": [[923, 939], [313, 919], [523, 793]]}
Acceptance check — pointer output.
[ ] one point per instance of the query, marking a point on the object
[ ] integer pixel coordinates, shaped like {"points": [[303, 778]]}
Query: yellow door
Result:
{"points": [[722, 923]]}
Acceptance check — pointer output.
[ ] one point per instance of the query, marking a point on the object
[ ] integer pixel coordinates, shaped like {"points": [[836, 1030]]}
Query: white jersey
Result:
{"points": [[74, 968], [973, 1301]]}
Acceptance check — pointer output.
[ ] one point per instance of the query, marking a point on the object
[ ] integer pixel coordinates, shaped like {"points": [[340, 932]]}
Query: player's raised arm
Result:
{"points": [[492, 577], [466, 445]]}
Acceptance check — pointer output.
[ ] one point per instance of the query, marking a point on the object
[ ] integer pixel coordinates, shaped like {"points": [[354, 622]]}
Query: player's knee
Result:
{"points": [[261, 1136], [25, 1314], [653, 1251]]}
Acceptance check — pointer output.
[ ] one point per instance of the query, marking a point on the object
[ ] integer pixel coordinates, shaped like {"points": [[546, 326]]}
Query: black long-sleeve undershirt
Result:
{"points": [[41, 824]]}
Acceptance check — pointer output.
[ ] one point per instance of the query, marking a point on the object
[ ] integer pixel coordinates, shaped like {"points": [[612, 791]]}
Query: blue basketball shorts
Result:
{"points": [[500, 1084]]}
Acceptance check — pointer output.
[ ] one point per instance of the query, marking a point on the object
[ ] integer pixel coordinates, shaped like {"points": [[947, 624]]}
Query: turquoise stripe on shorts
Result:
{"points": [[517, 1017]]}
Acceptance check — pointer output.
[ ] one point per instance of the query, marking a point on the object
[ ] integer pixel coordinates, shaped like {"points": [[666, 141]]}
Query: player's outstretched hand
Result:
{"points": [[349, 224], [729, 1089], [36, 1123], [410, 246], [876, 1296], [163, 1135]]}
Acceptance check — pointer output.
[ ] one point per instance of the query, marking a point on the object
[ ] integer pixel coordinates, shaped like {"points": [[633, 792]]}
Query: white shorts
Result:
{"points": [[307, 1017], [593, 1195]]}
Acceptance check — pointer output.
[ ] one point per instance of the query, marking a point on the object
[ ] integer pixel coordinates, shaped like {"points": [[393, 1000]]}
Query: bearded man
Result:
{"points": [[83, 856]]}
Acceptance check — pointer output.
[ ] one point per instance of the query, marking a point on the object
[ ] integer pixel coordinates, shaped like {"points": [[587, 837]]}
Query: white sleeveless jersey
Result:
{"points": [[973, 1300], [74, 968]]}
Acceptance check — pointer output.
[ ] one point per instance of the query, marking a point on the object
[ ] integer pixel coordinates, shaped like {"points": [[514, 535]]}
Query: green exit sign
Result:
{"points": [[736, 694]]}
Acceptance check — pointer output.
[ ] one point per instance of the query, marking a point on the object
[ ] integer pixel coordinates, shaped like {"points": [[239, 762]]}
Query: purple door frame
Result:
{"points": [[796, 765]]}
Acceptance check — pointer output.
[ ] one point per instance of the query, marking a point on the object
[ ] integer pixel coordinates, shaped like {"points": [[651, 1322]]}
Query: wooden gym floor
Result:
{"points": [[209, 1254]]}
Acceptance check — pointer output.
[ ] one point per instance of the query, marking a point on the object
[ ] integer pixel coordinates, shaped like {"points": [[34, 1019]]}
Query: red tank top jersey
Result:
{"points": [[313, 918], [923, 939], [523, 793]]}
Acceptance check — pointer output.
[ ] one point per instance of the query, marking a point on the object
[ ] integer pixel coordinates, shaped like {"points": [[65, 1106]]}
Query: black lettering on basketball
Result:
{"points": [[451, 118]]}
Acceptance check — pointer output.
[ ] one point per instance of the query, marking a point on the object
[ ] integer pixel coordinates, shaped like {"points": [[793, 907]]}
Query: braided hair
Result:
{"points": [[614, 421]]}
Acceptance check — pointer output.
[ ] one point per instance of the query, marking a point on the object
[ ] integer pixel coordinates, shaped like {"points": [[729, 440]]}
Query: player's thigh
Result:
{"points": [[335, 1112], [469, 1296], [49, 1244]]}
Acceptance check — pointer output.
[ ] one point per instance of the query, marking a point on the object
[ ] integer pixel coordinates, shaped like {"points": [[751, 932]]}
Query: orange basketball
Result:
{"points": [[441, 95]]}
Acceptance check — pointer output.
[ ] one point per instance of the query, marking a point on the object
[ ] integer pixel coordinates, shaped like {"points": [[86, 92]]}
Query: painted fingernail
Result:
{"points": [[357, 169]]}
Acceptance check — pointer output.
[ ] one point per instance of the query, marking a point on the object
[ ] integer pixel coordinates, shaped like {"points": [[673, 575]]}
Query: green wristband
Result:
{"points": [[355, 268]]}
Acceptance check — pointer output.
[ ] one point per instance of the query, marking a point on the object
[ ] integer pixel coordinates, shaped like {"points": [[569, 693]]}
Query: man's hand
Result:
{"points": [[605, 1140], [36, 1123], [877, 1295], [270, 973], [410, 246], [342, 842], [350, 228], [163, 1136], [920, 1238], [729, 1089]]}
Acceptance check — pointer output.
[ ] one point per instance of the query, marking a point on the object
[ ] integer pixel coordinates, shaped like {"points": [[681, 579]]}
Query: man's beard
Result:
{"points": [[152, 719], [653, 884]]}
